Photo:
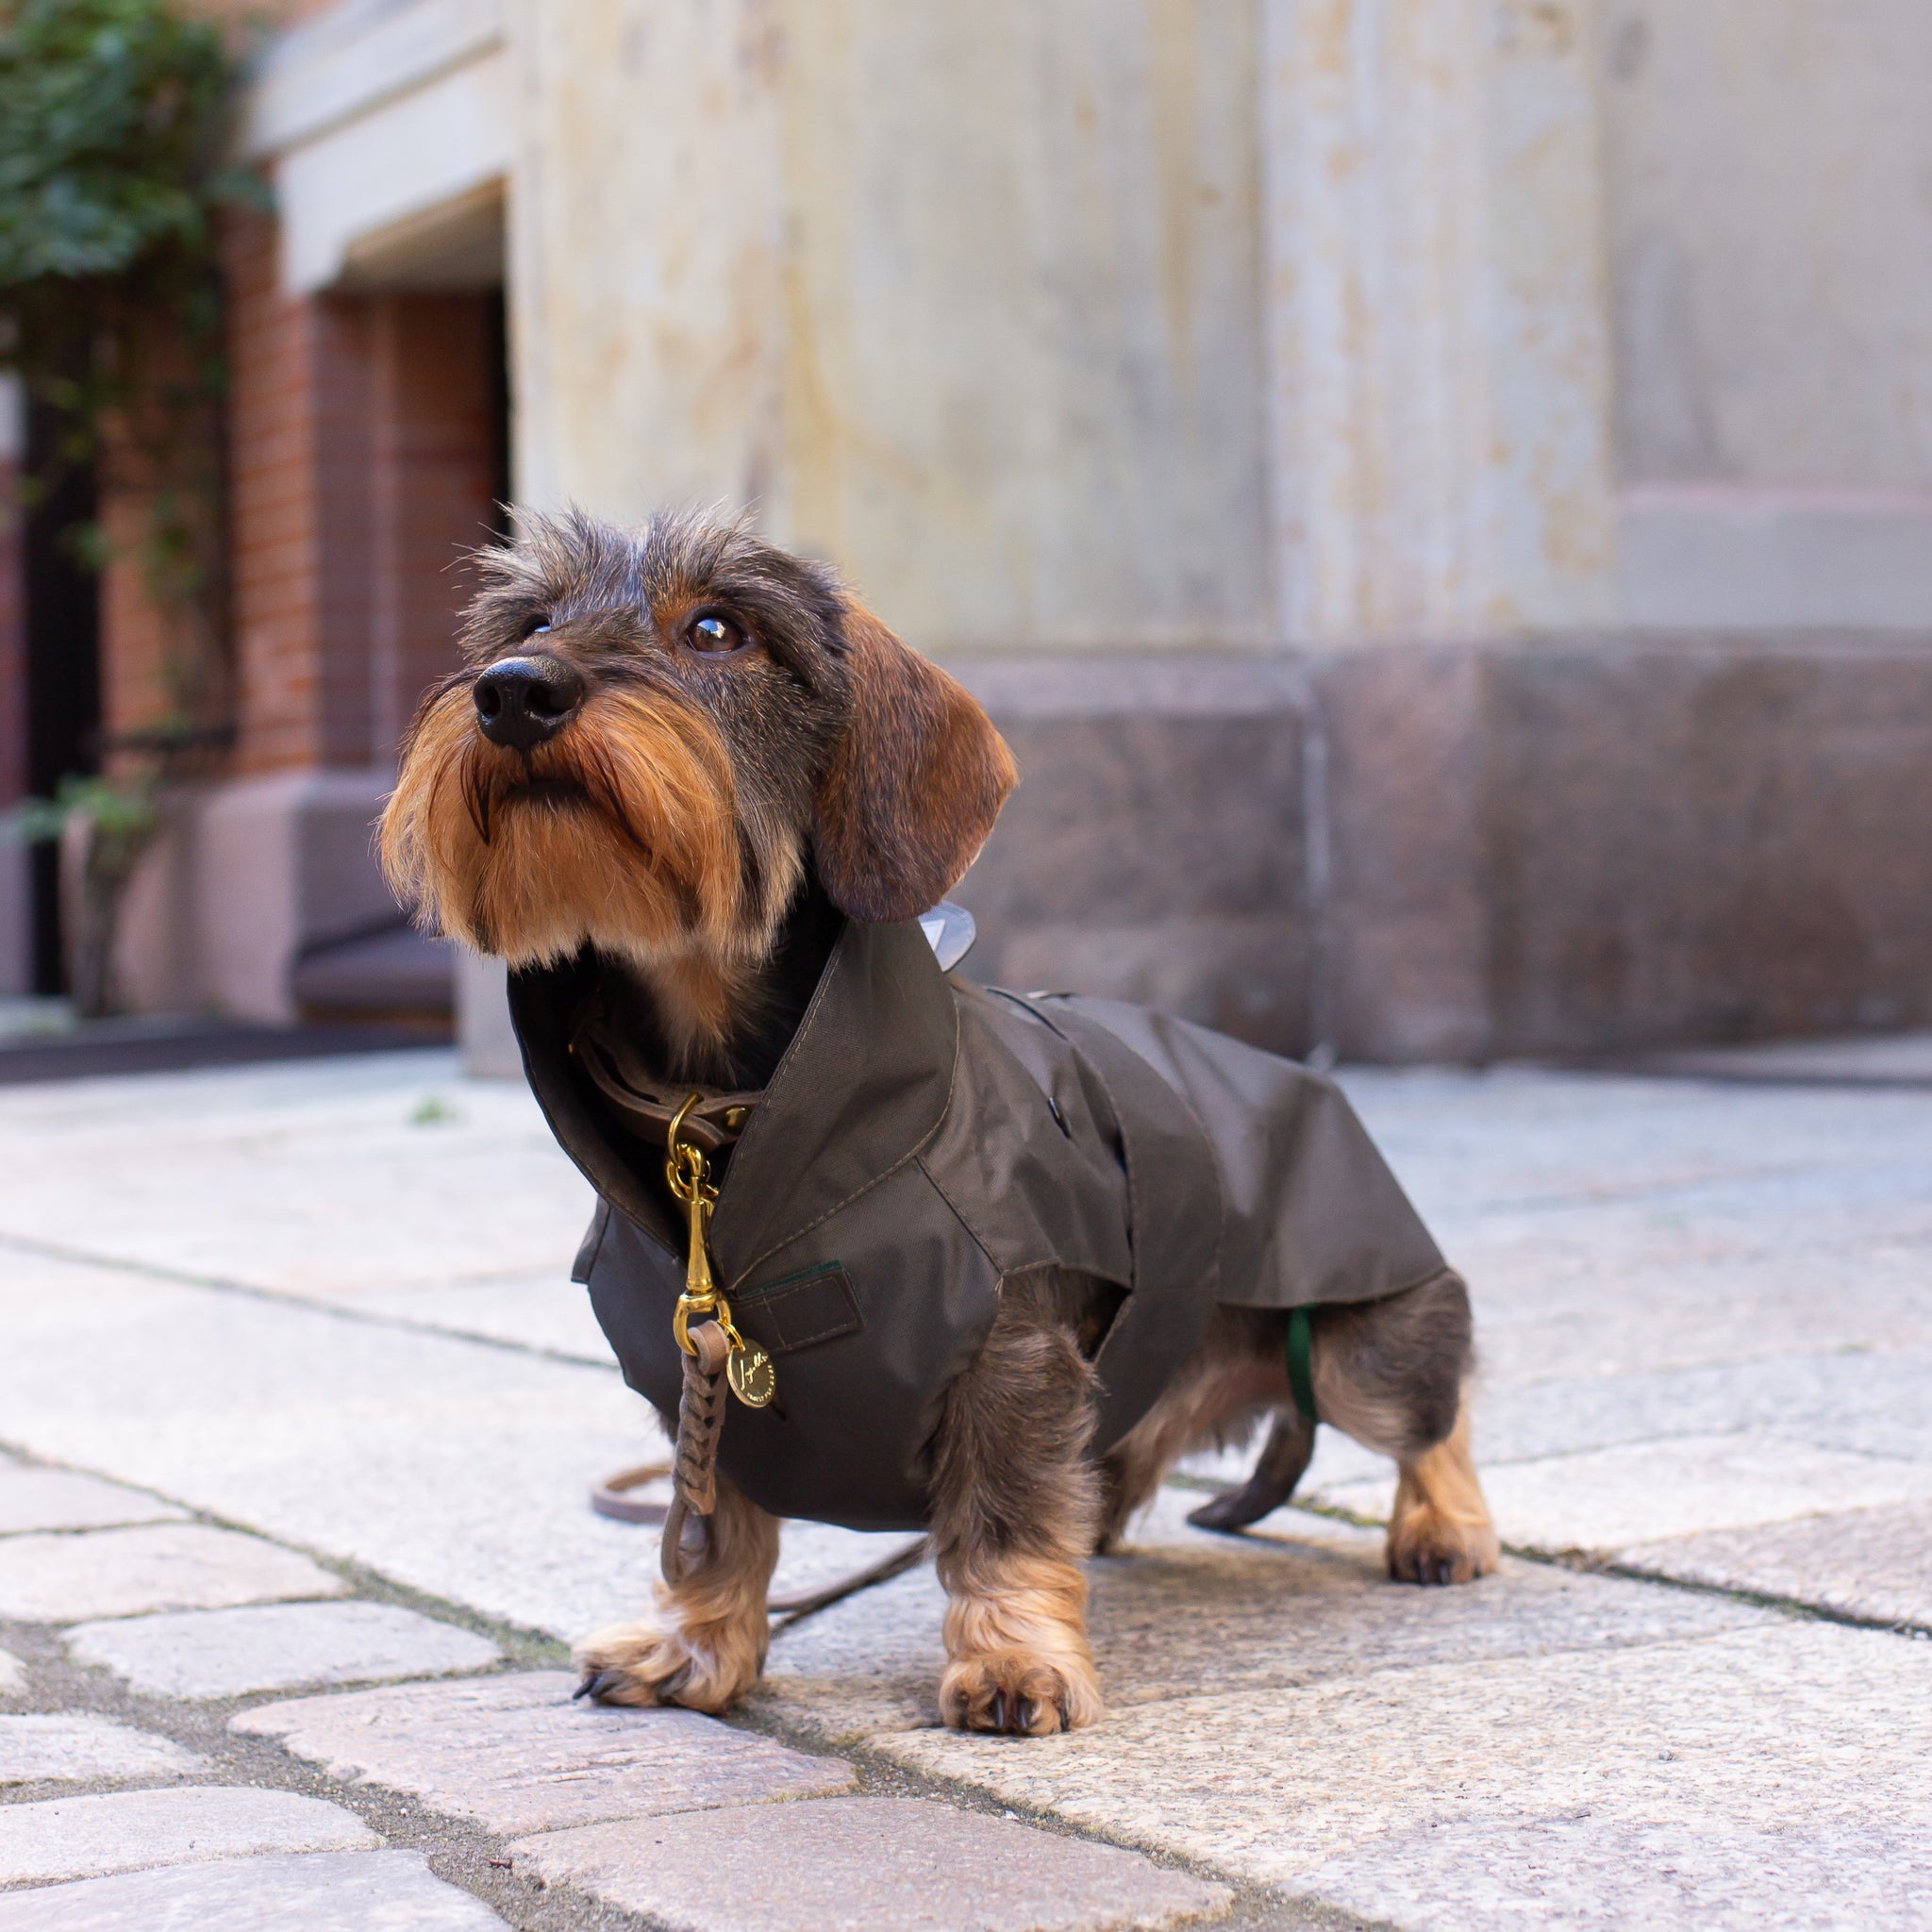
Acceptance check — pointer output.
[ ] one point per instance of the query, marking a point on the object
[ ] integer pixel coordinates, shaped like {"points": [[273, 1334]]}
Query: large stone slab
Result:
{"points": [[118, 1573], [1871, 1564], [276, 1647], [1775, 1752], [1602, 1500], [311, 1891], [65, 1499], [1883, 1059], [516, 1755], [1863, 1401], [126, 1831], [176, 1143], [78, 1747], [866, 1865], [460, 1469], [1580, 1870]]}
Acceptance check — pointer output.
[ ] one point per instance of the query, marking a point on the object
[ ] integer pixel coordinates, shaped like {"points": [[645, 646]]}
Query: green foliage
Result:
{"points": [[111, 117], [115, 124], [120, 812], [114, 819], [114, 119]]}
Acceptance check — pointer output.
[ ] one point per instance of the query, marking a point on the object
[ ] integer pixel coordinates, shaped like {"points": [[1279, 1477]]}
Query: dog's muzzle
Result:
{"points": [[523, 701]]}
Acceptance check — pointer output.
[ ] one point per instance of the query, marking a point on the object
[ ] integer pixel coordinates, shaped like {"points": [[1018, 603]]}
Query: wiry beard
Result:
{"points": [[622, 833]]}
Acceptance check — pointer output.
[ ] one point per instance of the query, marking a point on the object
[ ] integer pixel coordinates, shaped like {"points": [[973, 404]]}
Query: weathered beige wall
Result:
{"points": [[1769, 191], [1437, 306], [967, 298]]}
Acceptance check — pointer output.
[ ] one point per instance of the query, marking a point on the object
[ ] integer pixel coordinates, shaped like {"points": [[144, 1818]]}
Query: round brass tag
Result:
{"points": [[753, 1379]]}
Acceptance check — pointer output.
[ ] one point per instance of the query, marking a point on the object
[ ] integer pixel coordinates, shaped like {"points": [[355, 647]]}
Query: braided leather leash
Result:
{"points": [[695, 1469]]}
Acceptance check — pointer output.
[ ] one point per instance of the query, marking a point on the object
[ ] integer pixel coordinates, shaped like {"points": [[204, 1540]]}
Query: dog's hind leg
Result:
{"points": [[1391, 1374], [1440, 1529], [707, 1646], [1014, 1511]]}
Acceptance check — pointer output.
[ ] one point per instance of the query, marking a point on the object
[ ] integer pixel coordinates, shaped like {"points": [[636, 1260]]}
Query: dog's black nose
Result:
{"points": [[521, 700]]}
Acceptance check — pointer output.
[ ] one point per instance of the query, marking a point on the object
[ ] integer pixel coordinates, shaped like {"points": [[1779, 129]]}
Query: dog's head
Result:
{"points": [[657, 730]]}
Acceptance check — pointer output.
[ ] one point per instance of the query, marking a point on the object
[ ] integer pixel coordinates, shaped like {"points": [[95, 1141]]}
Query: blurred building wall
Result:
{"points": [[16, 920], [1435, 490], [1770, 239], [969, 298]]}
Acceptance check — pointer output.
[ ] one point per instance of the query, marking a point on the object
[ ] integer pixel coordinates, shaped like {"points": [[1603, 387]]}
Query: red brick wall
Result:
{"points": [[433, 474], [362, 465], [300, 524]]}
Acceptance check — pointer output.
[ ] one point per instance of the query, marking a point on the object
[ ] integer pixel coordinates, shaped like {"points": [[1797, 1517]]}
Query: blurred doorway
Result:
{"points": [[63, 659]]}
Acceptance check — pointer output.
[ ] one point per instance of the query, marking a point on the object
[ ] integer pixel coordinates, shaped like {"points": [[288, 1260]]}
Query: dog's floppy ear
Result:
{"points": [[915, 781]]}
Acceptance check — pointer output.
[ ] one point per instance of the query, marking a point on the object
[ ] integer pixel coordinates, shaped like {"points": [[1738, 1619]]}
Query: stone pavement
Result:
{"points": [[303, 1413]]}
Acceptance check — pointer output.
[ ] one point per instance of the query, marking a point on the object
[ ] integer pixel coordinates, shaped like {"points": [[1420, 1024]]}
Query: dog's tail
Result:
{"points": [[1282, 1463]]}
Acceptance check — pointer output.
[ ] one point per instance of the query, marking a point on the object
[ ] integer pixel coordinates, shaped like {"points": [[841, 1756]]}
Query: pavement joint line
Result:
{"points": [[1616, 1193], [281, 1297], [1703, 1433], [1712, 1077], [1793, 1607], [1583, 1563]]}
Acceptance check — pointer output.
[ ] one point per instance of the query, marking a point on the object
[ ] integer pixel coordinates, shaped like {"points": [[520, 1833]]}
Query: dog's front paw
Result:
{"points": [[1428, 1545], [1022, 1694], [637, 1663]]}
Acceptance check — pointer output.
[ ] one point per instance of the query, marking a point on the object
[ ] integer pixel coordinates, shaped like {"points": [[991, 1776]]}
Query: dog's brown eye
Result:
{"points": [[536, 626], [713, 633]]}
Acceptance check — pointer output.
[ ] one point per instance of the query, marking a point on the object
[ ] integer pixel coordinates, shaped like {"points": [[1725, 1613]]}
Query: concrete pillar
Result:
{"points": [[1437, 319]]}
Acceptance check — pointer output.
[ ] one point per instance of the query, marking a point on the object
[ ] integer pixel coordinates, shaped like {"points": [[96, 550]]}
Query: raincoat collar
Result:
{"points": [[863, 1086]]}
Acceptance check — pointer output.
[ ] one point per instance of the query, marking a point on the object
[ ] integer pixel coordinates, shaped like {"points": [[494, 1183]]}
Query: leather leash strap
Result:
{"points": [[695, 1474], [647, 1107]]}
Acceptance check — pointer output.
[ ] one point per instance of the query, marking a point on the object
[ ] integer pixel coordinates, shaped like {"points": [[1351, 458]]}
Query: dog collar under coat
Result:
{"points": [[924, 1139]]}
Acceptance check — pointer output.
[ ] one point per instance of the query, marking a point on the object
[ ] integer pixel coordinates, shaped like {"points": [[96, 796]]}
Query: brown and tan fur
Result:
{"points": [[723, 751]]}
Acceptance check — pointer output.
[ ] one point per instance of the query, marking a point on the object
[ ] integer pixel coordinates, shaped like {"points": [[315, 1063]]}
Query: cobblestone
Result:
{"points": [[80, 1748], [118, 1573], [867, 1865], [276, 1647], [65, 1499], [124, 1831], [517, 1755], [315, 1891]]}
